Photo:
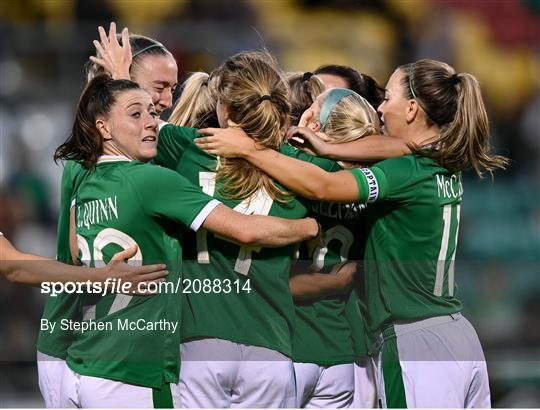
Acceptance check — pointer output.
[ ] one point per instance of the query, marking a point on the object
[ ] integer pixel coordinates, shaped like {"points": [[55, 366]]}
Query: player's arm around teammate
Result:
{"points": [[20, 267], [313, 286]]}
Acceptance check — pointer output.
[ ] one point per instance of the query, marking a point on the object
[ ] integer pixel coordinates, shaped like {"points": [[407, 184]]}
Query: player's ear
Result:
{"points": [[412, 110], [103, 127]]}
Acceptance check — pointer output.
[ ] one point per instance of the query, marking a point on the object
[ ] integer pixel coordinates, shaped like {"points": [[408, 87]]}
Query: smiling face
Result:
{"points": [[396, 107], [158, 75], [131, 126]]}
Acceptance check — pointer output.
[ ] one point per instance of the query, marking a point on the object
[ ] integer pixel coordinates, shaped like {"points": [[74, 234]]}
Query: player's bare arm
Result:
{"points": [[259, 230], [32, 269], [371, 148], [305, 179], [310, 287]]}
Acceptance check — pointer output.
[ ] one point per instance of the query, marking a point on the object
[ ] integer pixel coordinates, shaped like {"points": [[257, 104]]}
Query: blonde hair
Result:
{"points": [[305, 88], [252, 88], [196, 106], [453, 102], [350, 119]]}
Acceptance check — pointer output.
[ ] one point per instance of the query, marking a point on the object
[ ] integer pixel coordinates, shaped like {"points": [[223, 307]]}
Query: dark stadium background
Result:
{"points": [[44, 44]]}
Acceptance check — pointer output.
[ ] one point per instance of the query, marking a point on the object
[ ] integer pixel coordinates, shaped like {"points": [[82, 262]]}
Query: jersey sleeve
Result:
{"points": [[172, 143], [166, 194], [388, 180], [324, 163]]}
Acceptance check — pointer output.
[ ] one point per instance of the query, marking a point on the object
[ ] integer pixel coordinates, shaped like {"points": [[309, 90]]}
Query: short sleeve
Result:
{"points": [[388, 180], [166, 194], [172, 143]]}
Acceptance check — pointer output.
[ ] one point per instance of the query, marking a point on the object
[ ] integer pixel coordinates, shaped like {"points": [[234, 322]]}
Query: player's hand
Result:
{"points": [[135, 275], [230, 142], [304, 138], [113, 57], [344, 273], [317, 242]]}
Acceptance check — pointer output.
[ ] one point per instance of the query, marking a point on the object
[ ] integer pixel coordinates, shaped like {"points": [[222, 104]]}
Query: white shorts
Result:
{"points": [[95, 392], [218, 373], [365, 394], [436, 362], [324, 386], [50, 373]]}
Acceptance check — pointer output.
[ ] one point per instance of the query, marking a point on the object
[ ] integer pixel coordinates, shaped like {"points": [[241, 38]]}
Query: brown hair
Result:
{"points": [[85, 144], [362, 84], [196, 106], [454, 103], [305, 87], [252, 88]]}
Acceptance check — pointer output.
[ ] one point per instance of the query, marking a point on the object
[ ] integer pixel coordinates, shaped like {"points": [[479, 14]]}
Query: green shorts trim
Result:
{"points": [[162, 398], [394, 389]]}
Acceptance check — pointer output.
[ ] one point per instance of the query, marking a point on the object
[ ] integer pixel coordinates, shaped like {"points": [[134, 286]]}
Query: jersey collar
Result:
{"points": [[112, 158]]}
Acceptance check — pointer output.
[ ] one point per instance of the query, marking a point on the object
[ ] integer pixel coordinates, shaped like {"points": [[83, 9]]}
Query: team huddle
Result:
{"points": [[311, 220]]}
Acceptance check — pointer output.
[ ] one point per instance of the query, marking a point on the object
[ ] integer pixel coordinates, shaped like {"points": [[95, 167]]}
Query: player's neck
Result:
{"points": [[421, 134], [110, 148]]}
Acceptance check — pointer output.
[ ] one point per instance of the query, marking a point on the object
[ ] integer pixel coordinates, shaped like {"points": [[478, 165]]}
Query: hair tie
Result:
{"points": [[156, 45], [455, 79], [264, 98], [411, 66], [307, 76]]}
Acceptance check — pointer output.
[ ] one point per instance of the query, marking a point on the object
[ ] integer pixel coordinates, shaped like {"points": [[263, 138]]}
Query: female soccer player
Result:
{"points": [[428, 354], [236, 347], [329, 332], [154, 67], [129, 353]]}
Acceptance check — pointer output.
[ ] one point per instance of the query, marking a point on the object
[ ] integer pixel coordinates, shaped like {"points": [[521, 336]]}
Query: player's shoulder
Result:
{"points": [[150, 177], [404, 163], [177, 131]]}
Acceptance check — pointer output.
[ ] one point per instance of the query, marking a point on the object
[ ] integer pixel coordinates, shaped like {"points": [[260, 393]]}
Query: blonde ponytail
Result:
{"points": [[252, 88]]}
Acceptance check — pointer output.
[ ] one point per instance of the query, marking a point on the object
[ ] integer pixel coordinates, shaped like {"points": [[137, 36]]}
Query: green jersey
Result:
{"points": [[64, 305], [411, 246], [133, 339], [330, 331], [258, 309]]}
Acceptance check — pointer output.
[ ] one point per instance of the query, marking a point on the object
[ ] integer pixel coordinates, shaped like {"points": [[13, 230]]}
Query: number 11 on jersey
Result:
{"points": [[446, 240]]}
